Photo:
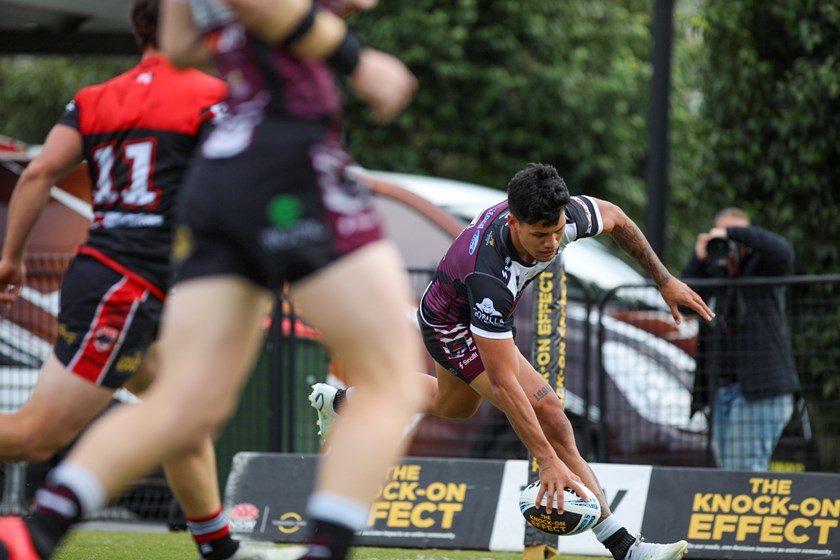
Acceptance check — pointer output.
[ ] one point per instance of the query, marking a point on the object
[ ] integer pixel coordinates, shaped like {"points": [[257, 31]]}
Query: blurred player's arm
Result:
{"points": [[178, 37], [61, 153], [306, 30], [377, 78]]}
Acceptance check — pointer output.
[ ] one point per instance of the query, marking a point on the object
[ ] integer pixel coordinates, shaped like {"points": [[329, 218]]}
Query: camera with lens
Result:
{"points": [[722, 259]]}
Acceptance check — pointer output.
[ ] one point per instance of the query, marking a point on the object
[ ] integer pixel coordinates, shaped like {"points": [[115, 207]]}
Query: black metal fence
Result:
{"points": [[649, 383], [628, 384]]}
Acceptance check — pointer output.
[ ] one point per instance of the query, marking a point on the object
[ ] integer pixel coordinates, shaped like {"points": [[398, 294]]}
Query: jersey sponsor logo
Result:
{"points": [[145, 78], [284, 210], [340, 192], [456, 342], [129, 364], [66, 334], [182, 244], [303, 232], [347, 226], [108, 220], [506, 269], [218, 112], [474, 241], [588, 214], [340, 201], [467, 361], [485, 311], [491, 241], [484, 220], [104, 338], [233, 134], [487, 307]]}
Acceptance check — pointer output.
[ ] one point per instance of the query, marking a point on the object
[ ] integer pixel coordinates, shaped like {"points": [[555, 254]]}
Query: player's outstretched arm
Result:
{"points": [[630, 238]]}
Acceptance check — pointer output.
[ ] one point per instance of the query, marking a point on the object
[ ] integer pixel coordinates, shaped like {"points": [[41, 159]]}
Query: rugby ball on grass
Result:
{"points": [[577, 517]]}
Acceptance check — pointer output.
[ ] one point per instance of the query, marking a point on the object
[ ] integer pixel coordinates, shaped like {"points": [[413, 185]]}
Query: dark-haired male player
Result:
{"points": [[466, 318]]}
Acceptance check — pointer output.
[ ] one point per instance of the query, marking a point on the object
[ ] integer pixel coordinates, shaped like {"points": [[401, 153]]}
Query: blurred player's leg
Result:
{"points": [[359, 304], [60, 406], [214, 327]]}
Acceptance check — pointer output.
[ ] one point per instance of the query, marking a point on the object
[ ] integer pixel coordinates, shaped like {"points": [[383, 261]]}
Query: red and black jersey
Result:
{"points": [[140, 129]]}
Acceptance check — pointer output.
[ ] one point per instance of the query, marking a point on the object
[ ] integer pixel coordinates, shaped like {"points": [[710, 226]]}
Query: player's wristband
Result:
{"points": [[345, 57], [302, 28]]}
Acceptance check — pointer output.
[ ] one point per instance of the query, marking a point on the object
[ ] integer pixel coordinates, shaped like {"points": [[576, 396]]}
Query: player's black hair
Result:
{"points": [[144, 20], [537, 194]]}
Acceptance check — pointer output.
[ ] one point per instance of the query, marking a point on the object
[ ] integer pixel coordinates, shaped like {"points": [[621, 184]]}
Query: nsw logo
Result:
{"points": [[243, 517]]}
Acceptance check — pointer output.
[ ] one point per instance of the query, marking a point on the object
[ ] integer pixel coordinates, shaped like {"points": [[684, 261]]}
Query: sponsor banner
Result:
{"points": [[424, 503], [745, 515], [548, 354], [508, 529], [625, 486], [473, 504]]}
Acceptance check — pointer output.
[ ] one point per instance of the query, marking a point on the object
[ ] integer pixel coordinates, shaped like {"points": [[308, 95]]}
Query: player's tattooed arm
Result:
{"points": [[544, 391], [632, 241]]}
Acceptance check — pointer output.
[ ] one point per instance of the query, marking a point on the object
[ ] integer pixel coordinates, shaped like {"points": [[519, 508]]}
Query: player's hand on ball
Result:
{"points": [[554, 477]]}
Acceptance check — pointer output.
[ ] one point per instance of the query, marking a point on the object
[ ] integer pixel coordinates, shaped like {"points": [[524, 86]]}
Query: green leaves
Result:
{"points": [[504, 83], [755, 104], [772, 112], [35, 89]]}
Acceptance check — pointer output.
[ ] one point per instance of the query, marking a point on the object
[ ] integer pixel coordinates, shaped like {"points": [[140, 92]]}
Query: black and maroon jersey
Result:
{"points": [[481, 277], [140, 130], [264, 77]]}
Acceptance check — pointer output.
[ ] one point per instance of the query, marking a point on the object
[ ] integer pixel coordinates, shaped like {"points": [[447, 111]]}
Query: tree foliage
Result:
{"points": [[504, 83], [754, 102], [772, 115], [35, 90]]}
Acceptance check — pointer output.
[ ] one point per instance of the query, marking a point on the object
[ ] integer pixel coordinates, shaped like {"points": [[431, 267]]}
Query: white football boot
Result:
{"points": [[266, 551], [651, 551], [321, 398]]}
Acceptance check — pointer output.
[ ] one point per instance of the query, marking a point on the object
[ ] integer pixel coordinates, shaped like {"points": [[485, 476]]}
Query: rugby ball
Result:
{"points": [[577, 517]]}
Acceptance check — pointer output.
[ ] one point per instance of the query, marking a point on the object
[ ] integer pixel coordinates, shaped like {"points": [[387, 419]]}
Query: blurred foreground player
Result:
{"points": [[267, 200]]}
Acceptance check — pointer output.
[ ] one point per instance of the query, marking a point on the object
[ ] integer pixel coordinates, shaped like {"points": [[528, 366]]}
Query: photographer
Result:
{"points": [[745, 368]]}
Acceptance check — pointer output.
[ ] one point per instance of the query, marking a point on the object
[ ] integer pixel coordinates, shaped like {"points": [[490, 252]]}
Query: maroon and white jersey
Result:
{"points": [[139, 131], [264, 77], [481, 278]]}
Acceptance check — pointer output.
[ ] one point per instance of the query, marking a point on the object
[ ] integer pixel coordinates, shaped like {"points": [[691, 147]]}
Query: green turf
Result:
{"points": [[105, 545]]}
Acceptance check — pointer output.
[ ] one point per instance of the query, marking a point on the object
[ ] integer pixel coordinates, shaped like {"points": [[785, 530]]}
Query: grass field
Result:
{"points": [[107, 545]]}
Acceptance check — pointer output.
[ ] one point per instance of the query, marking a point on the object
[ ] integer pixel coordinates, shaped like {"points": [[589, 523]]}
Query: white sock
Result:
{"points": [[87, 488], [338, 509], [607, 528]]}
